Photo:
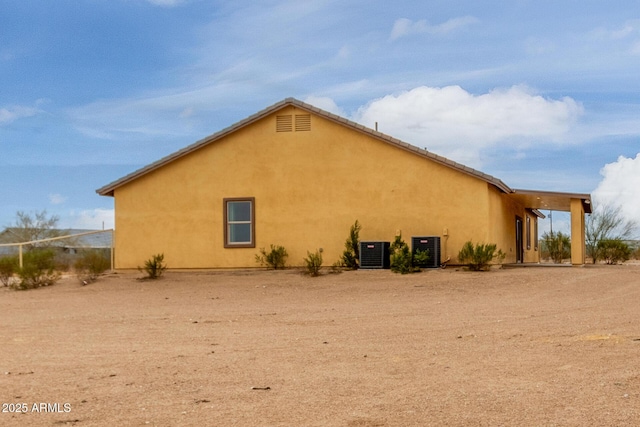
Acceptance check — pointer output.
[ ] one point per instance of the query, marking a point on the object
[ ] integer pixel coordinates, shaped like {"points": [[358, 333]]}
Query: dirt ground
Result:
{"points": [[526, 346]]}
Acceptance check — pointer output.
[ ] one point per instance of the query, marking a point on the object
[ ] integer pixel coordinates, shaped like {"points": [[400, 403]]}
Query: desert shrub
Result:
{"points": [[313, 263], [337, 267], [38, 269], [402, 260], [351, 255], [8, 267], [480, 256], [421, 258], [614, 251], [90, 264], [63, 260], [154, 267], [275, 258], [557, 245]]}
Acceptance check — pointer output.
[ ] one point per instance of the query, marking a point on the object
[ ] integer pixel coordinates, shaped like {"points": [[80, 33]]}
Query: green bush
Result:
{"points": [[275, 258], [614, 251], [557, 245], [90, 264], [154, 267], [421, 258], [8, 267], [313, 263], [351, 255], [38, 269], [480, 256], [402, 260]]}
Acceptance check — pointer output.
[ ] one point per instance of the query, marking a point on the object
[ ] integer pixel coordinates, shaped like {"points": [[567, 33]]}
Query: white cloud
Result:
{"points": [[11, 114], [626, 30], [57, 199], [620, 186], [457, 124], [404, 27], [325, 103], [627, 36], [150, 115], [91, 219]]}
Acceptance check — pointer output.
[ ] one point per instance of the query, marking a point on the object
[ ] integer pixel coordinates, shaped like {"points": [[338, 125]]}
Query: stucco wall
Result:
{"points": [[502, 227], [309, 187]]}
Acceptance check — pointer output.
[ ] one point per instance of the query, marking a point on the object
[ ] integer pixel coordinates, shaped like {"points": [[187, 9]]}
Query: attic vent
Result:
{"points": [[303, 122], [284, 123]]}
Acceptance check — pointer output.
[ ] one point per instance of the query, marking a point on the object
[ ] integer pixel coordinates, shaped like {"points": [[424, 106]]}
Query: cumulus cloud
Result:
{"points": [[620, 186], [403, 27], [457, 124], [90, 219], [325, 103]]}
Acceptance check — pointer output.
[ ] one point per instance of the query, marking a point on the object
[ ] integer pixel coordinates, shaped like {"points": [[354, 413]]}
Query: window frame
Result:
{"points": [[227, 223]]}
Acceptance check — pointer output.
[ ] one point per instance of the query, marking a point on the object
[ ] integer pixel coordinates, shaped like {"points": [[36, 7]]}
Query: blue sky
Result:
{"points": [[544, 95]]}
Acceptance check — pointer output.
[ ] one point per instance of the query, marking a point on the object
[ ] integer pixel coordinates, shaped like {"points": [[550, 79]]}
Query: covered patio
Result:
{"points": [[575, 203]]}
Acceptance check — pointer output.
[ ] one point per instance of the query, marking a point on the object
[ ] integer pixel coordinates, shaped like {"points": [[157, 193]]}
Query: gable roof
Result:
{"points": [[533, 199], [109, 189]]}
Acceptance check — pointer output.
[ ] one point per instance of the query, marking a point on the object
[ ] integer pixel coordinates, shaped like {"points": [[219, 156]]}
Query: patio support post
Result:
{"points": [[578, 248]]}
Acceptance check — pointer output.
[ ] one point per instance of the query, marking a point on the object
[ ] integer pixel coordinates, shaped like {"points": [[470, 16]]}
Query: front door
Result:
{"points": [[519, 240]]}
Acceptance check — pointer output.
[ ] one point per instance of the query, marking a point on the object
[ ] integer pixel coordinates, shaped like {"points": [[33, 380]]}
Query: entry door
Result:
{"points": [[519, 241]]}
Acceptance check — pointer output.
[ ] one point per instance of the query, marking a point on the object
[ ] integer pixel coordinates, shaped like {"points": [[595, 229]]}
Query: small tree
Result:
{"points": [[480, 256], [558, 245], [351, 255], [275, 258], [606, 223], [313, 263], [36, 226], [154, 267]]}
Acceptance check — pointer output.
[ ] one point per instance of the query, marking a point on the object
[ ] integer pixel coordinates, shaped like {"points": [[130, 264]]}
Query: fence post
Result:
{"points": [[112, 256], [20, 255]]}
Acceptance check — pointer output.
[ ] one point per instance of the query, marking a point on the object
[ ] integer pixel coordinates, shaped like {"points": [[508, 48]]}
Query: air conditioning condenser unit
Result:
{"points": [[374, 254], [428, 243]]}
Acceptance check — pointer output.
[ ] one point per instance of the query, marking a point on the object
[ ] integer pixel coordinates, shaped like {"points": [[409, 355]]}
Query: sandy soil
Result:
{"points": [[527, 346]]}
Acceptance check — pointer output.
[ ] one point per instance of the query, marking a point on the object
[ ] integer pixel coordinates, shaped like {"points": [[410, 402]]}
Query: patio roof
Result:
{"points": [[550, 200]]}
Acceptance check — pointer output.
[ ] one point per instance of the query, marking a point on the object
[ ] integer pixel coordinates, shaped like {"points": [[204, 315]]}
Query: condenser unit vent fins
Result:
{"points": [[284, 123], [430, 244], [303, 122], [374, 254]]}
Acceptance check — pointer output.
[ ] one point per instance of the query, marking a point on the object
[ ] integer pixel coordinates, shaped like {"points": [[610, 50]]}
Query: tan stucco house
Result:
{"points": [[297, 176]]}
